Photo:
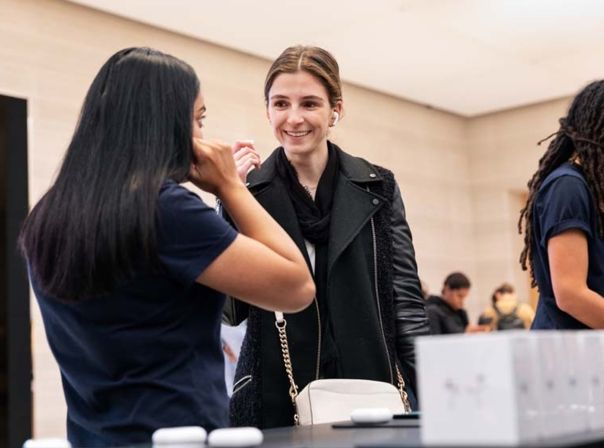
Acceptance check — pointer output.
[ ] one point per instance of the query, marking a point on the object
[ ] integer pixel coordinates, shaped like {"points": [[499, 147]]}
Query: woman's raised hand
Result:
{"points": [[283, 281], [214, 168]]}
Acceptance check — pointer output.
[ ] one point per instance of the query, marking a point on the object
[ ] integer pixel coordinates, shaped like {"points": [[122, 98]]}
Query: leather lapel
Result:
{"points": [[352, 208]]}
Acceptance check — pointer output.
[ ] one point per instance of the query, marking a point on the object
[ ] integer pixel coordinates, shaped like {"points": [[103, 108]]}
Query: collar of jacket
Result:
{"points": [[353, 205], [353, 168], [441, 303]]}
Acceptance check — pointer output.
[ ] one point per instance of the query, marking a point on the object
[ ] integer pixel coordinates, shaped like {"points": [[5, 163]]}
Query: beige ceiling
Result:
{"points": [[469, 57]]}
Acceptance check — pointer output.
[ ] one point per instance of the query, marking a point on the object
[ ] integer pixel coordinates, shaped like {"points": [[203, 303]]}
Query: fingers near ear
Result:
{"points": [[242, 144]]}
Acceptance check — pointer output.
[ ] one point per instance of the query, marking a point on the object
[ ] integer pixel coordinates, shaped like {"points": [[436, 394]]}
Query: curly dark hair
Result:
{"points": [[580, 138]]}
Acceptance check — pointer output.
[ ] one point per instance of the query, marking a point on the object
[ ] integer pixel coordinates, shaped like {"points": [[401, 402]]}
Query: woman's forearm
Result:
{"points": [[583, 304]]}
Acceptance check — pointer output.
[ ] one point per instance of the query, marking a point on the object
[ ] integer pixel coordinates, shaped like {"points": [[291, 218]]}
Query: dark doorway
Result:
{"points": [[15, 333]]}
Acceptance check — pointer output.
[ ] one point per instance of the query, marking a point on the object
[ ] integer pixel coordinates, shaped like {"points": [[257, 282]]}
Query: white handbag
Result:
{"points": [[333, 400]]}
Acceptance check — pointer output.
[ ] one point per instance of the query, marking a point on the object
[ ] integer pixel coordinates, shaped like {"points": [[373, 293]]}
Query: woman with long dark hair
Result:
{"points": [[564, 216], [347, 216], [129, 268]]}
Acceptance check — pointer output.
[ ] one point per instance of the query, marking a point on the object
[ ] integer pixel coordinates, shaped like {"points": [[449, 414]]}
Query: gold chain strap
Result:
{"points": [[293, 389], [402, 391]]}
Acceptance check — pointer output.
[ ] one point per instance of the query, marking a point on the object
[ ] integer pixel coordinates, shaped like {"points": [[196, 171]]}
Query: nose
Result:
{"points": [[295, 117]]}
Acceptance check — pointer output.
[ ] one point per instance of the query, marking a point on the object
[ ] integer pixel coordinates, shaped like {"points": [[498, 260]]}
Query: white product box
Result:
{"points": [[574, 366], [591, 354], [526, 372], [478, 389], [552, 385]]}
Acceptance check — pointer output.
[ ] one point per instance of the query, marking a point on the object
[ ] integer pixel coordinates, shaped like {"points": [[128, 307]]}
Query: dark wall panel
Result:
{"points": [[14, 290]]}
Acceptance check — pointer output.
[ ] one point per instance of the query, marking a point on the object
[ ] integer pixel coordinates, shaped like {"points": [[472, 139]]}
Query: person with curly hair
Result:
{"points": [[563, 219]]}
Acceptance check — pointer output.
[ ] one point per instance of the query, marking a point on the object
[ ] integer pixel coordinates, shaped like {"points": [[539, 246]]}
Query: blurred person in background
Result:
{"points": [[506, 311], [446, 312]]}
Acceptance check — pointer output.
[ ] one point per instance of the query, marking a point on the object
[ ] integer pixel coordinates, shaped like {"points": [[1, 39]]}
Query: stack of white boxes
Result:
{"points": [[592, 356], [510, 388]]}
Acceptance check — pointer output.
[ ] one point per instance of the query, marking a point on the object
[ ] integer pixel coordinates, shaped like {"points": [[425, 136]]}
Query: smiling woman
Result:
{"points": [[300, 114], [347, 217]]}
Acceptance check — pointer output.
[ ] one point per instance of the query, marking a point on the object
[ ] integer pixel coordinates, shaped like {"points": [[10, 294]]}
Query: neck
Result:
{"points": [[309, 166], [451, 303]]}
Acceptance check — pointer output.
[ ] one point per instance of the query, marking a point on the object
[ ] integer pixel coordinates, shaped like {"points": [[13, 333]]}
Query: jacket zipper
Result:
{"points": [[243, 381], [316, 302], [377, 298]]}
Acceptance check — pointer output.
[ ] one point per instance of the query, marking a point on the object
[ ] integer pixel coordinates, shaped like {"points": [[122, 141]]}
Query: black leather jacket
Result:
{"points": [[373, 290]]}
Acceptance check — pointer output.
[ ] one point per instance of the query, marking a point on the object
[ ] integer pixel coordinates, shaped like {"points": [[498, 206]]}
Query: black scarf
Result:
{"points": [[314, 218]]}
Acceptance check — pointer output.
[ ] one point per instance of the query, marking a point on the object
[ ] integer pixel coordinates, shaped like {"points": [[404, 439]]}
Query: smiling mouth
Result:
{"points": [[297, 133]]}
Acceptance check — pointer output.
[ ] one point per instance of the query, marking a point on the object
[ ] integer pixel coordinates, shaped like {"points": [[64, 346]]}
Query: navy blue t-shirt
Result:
{"points": [[147, 355], [562, 203]]}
